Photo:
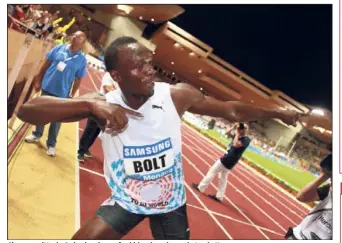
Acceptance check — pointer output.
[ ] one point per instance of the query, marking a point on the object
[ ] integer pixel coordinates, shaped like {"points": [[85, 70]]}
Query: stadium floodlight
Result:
{"points": [[322, 130], [125, 8], [318, 112]]}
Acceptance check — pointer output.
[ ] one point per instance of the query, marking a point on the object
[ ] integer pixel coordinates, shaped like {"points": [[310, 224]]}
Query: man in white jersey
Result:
{"points": [[92, 130], [317, 225], [141, 141]]}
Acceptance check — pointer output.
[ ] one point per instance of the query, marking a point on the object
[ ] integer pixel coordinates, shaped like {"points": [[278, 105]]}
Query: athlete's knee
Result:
{"points": [[85, 234], [96, 229], [80, 236]]}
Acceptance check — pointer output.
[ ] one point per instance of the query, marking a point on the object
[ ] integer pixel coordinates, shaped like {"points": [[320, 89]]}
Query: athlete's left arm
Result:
{"points": [[45, 109], [187, 98]]}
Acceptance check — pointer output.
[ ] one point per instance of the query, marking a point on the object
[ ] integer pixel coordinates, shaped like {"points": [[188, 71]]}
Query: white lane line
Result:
{"points": [[97, 79], [242, 182], [262, 198], [235, 220], [208, 211], [239, 173], [92, 80], [243, 194], [88, 89], [242, 166], [194, 194], [236, 207], [91, 171]]}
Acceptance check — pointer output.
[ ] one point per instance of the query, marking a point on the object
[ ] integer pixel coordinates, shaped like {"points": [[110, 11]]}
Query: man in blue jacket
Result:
{"points": [[61, 75]]}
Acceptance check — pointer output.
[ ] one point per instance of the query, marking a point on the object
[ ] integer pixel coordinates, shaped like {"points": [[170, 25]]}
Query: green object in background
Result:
{"points": [[217, 136], [295, 179]]}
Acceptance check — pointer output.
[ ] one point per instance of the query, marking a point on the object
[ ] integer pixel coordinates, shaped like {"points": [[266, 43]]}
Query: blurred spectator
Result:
{"points": [[19, 13], [10, 9], [34, 12]]}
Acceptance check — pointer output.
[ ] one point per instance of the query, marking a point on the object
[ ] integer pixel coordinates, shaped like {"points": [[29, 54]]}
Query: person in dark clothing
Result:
{"points": [[92, 130], [88, 137], [226, 163]]}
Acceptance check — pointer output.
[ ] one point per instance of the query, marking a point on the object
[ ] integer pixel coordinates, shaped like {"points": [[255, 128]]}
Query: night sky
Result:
{"points": [[284, 47]]}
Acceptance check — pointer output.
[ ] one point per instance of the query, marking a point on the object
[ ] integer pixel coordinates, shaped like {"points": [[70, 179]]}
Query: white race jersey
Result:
{"points": [[143, 164]]}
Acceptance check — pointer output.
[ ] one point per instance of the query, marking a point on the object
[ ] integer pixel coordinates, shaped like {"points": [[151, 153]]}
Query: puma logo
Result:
{"points": [[157, 107]]}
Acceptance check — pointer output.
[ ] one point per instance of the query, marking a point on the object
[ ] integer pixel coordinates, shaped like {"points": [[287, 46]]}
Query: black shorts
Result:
{"points": [[289, 234], [168, 226]]}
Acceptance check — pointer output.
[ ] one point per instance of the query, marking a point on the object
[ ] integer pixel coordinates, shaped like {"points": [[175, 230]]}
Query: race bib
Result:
{"points": [[149, 162], [61, 66]]}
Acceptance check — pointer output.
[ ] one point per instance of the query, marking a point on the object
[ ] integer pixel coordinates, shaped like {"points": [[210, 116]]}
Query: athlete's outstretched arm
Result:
{"points": [[234, 111], [46, 109]]}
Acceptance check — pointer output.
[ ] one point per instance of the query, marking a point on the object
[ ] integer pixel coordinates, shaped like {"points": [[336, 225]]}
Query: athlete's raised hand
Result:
{"points": [[113, 118], [290, 117]]}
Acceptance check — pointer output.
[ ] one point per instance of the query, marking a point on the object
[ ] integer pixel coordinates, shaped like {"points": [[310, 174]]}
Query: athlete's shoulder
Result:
{"points": [[185, 96], [161, 89], [185, 90]]}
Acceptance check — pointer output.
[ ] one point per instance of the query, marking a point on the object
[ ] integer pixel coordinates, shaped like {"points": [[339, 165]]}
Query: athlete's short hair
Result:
{"points": [[111, 53]]}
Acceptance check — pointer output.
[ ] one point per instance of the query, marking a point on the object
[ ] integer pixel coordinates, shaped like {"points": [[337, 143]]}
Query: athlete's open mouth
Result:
{"points": [[149, 80]]}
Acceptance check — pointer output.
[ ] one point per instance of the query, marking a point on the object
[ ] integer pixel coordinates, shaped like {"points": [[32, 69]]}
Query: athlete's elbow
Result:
{"points": [[304, 197], [27, 114], [232, 113], [23, 113], [300, 197], [233, 116]]}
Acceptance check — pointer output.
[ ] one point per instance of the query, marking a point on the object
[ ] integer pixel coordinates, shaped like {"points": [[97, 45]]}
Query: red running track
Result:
{"points": [[253, 208]]}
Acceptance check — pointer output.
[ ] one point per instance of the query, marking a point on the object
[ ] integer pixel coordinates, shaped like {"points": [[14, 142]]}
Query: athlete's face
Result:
{"points": [[134, 72]]}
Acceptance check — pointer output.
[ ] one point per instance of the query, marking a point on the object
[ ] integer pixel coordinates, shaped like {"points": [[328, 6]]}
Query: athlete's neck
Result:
{"points": [[134, 101]]}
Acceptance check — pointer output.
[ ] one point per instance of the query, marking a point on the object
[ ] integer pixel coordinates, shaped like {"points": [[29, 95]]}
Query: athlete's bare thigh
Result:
{"points": [[96, 229]]}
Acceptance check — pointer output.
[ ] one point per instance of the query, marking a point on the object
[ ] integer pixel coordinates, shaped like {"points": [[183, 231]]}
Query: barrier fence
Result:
{"points": [[25, 57]]}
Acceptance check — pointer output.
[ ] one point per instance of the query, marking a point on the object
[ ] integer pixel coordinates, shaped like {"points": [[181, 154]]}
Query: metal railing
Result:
{"points": [[13, 76], [25, 27]]}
